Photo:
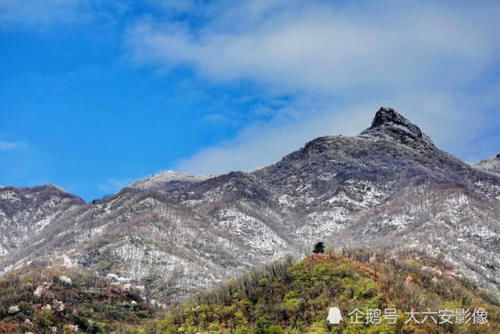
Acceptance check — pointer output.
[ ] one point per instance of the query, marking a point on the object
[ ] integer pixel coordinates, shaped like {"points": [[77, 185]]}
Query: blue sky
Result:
{"points": [[95, 96]]}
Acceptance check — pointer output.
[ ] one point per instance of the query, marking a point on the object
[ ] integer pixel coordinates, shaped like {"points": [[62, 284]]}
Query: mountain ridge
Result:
{"points": [[389, 185]]}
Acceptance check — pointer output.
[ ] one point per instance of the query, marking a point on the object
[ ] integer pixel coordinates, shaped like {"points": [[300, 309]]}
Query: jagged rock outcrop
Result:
{"points": [[387, 187], [390, 124]]}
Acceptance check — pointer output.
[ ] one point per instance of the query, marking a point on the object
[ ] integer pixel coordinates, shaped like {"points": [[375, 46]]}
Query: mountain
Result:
{"points": [[287, 296], [388, 188]]}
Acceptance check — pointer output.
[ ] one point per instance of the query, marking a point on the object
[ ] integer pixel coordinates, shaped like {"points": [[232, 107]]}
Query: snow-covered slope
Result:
{"points": [[24, 212]]}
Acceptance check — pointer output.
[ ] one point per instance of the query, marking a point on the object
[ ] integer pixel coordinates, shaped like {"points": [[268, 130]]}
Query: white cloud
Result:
{"points": [[421, 58], [324, 49], [8, 146]]}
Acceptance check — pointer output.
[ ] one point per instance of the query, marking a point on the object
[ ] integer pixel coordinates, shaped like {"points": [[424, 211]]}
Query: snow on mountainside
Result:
{"points": [[388, 187], [24, 212], [168, 180]]}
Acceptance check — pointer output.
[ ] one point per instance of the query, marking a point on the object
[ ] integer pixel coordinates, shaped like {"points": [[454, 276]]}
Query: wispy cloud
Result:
{"points": [[112, 185], [423, 58], [40, 12], [9, 145], [48, 13], [262, 143]]}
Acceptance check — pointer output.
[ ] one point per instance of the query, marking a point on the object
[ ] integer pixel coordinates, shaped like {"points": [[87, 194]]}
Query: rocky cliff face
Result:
{"points": [[388, 187]]}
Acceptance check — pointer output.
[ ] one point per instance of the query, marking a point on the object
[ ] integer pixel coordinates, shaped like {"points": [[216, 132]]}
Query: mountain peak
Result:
{"points": [[387, 115], [160, 180], [389, 123]]}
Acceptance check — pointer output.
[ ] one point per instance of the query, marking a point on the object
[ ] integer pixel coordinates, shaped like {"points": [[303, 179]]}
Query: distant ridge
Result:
{"points": [[160, 180]]}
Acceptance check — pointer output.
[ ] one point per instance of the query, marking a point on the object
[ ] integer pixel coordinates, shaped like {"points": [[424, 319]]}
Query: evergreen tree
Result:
{"points": [[319, 248]]}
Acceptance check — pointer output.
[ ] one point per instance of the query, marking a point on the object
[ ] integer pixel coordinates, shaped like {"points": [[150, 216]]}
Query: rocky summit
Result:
{"points": [[389, 188], [391, 124]]}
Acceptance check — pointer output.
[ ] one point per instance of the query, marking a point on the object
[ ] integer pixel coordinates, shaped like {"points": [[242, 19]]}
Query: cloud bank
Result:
{"points": [[316, 48], [430, 60]]}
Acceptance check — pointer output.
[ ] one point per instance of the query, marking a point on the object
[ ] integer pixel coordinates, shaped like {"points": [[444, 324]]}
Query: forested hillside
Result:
{"points": [[375, 293], [289, 297], [34, 300]]}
